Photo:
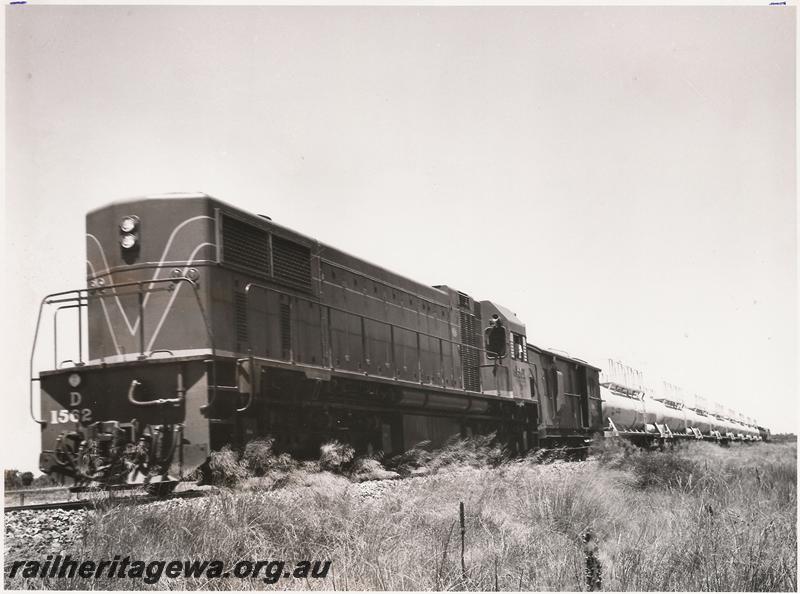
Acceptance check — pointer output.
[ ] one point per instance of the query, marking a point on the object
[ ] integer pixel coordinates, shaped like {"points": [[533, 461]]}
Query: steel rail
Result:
{"points": [[93, 503]]}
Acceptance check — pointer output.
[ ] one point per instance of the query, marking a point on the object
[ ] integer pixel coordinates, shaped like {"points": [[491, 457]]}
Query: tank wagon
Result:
{"points": [[655, 415], [203, 325]]}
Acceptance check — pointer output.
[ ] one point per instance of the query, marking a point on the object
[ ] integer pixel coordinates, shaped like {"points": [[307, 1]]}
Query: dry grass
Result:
{"points": [[693, 519]]}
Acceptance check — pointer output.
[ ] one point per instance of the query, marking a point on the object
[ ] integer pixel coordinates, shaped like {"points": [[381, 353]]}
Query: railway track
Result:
{"points": [[89, 503]]}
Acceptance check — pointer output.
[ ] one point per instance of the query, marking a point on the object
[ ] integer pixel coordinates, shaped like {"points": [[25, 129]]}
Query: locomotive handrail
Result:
{"points": [[77, 306], [82, 296], [33, 348], [154, 351], [249, 359], [247, 406], [180, 391], [362, 317]]}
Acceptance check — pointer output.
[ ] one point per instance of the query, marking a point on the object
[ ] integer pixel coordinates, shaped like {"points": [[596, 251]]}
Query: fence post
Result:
{"points": [[463, 531], [594, 577]]}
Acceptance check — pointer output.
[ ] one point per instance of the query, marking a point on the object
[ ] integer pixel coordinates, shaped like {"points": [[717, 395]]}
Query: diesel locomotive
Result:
{"points": [[202, 325]]}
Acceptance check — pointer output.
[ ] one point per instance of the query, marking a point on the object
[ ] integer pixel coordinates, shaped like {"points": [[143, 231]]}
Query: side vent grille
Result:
{"points": [[470, 359], [292, 263], [286, 330], [240, 312], [245, 246]]}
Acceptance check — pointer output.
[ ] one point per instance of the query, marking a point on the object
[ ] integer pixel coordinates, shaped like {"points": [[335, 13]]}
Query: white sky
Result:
{"points": [[622, 178]]}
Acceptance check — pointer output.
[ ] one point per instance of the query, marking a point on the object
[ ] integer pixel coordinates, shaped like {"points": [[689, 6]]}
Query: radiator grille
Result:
{"points": [[291, 263], [245, 245], [470, 359]]}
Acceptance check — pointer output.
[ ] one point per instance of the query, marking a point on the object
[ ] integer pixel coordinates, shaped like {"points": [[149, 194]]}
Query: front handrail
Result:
{"points": [[80, 298], [180, 391], [77, 306]]}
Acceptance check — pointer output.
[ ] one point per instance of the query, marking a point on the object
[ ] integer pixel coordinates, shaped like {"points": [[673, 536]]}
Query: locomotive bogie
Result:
{"points": [[95, 416]]}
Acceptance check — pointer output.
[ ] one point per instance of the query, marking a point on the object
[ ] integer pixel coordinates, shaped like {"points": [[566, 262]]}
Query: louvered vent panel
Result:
{"points": [[245, 245], [286, 330], [240, 310], [470, 359], [291, 263]]}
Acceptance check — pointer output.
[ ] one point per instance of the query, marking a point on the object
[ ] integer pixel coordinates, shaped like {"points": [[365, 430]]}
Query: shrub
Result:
{"points": [[45, 480], [259, 456], [664, 469], [370, 469], [478, 452], [410, 461], [613, 452], [334, 456], [12, 479], [226, 469]]}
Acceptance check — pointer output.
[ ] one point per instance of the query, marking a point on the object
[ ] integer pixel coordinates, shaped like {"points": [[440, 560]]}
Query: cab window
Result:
{"points": [[518, 347]]}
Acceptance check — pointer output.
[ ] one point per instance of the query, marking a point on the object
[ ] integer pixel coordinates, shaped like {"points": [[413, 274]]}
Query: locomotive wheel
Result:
{"points": [[67, 450], [70, 452]]}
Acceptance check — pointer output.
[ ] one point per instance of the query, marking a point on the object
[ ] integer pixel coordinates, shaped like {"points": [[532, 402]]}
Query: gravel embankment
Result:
{"points": [[36, 533]]}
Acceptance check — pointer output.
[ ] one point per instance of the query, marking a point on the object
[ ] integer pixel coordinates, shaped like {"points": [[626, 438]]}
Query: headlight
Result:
{"points": [[74, 380], [128, 241], [129, 223]]}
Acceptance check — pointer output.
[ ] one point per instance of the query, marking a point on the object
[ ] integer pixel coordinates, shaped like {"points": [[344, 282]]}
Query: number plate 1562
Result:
{"points": [[71, 416]]}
